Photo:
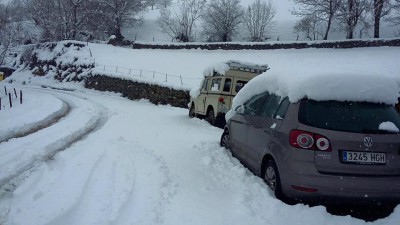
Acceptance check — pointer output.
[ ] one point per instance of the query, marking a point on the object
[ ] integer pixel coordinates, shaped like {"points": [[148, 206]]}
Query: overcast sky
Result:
{"points": [[282, 10]]}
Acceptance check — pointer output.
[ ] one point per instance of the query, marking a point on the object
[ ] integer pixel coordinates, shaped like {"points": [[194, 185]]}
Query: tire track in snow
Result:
{"points": [[40, 125], [14, 177]]}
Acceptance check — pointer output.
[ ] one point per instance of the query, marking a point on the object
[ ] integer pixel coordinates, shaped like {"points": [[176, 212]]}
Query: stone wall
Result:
{"points": [[270, 46], [134, 90]]}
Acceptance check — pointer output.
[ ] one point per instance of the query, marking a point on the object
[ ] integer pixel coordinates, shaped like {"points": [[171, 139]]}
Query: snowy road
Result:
{"points": [[107, 160]]}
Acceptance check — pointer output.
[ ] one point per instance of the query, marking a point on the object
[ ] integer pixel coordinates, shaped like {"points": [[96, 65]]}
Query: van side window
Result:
{"points": [[239, 85], [283, 107], [205, 84], [227, 85], [253, 106], [270, 106], [215, 84]]}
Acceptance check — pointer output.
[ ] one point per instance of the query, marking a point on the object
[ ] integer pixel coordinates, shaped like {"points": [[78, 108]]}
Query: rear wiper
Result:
{"points": [[370, 131]]}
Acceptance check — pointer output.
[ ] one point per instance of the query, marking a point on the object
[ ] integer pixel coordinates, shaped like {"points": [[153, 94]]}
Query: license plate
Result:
{"points": [[364, 157]]}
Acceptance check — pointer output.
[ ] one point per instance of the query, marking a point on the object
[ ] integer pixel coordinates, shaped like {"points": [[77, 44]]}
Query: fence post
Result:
{"points": [[104, 68], [181, 80], [0, 103], [116, 70], [166, 77], [140, 73], [9, 98], [20, 96], [5, 90], [154, 73], [15, 92]]}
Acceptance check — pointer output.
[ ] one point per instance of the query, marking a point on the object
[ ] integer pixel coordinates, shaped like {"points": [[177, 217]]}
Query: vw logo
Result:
{"points": [[368, 142]]}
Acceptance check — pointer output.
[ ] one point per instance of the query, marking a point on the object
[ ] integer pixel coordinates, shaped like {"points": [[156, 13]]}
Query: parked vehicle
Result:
{"points": [[6, 71], [220, 84], [326, 150]]}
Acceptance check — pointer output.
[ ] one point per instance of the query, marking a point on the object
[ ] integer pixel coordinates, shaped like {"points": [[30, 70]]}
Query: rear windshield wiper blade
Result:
{"points": [[370, 131]]}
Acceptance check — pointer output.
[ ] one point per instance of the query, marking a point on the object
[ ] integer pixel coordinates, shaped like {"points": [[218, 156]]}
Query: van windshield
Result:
{"points": [[355, 117]]}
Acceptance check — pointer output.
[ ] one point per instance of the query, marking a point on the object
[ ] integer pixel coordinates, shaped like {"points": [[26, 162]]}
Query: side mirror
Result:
{"points": [[240, 109]]}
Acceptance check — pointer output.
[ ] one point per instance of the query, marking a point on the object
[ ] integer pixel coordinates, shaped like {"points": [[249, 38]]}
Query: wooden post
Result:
{"points": [[166, 77], [20, 96], [154, 73], [5, 90], [15, 92], [116, 70], [104, 68], [9, 98], [181, 80]]}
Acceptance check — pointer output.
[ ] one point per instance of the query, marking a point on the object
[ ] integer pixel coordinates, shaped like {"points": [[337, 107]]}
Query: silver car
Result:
{"points": [[326, 151]]}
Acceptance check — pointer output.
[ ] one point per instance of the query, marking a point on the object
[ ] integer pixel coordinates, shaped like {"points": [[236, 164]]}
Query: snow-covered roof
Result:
{"points": [[321, 86], [222, 68]]}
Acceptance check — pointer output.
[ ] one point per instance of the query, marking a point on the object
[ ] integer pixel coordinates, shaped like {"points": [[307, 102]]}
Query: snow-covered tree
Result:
{"points": [[121, 13], [179, 22], [324, 10], [258, 18], [221, 19], [310, 27], [351, 12], [379, 9], [60, 19]]}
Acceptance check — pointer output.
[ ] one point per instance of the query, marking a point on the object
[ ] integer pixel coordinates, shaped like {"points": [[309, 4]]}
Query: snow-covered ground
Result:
{"points": [[86, 157], [133, 163], [190, 64]]}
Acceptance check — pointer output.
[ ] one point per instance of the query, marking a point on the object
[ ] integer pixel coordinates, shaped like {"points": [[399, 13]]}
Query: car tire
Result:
{"points": [[210, 116], [192, 113], [272, 178], [225, 140]]}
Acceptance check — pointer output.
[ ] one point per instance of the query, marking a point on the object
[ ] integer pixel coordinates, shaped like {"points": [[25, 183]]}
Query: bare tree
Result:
{"points": [[221, 19], [121, 13], [60, 19], [161, 3], [379, 9], [351, 12], [258, 17], [310, 27], [179, 23], [324, 10], [395, 18]]}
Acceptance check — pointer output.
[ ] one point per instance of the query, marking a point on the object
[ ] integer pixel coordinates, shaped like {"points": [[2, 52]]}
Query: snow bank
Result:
{"points": [[320, 86]]}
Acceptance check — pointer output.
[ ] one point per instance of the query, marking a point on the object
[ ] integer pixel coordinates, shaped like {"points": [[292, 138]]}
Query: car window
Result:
{"points": [[205, 84], [239, 85], [215, 84], [282, 109], [227, 85], [271, 106], [356, 117], [253, 106]]}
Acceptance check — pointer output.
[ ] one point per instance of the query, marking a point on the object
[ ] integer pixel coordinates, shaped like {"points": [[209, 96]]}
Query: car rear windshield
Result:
{"points": [[355, 117]]}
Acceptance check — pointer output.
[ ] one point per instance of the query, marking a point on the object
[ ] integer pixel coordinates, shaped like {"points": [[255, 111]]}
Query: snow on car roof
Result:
{"points": [[222, 68], [321, 86]]}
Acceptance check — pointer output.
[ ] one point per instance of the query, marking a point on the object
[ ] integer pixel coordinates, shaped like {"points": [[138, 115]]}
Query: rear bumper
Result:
{"points": [[301, 180]]}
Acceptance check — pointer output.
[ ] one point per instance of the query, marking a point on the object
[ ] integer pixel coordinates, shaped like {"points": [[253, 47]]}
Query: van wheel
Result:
{"points": [[210, 117], [225, 140], [272, 178], [191, 111]]}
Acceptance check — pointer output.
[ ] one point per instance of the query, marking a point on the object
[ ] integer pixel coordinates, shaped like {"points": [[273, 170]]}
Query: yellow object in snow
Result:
{"points": [[1, 76]]}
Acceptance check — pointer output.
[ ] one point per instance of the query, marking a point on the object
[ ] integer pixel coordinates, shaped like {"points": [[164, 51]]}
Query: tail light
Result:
{"points": [[307, 140], [221, 99]]}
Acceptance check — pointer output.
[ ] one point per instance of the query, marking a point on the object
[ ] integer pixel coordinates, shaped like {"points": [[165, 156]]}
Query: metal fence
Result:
{"points": [[151, 76]]}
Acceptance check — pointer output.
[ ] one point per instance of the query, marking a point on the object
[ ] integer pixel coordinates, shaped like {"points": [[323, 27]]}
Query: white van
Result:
{"points": [[220, 85]]}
